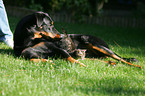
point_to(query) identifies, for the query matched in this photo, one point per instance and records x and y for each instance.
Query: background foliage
(73, 7)
(80, 8)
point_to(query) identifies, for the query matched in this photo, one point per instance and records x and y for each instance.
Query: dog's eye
(51, 23)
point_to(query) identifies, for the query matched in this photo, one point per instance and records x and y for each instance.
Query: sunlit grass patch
(62, 78)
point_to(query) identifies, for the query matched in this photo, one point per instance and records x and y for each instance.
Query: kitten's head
(80, 53)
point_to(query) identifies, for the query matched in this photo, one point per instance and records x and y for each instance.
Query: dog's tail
(109, 53)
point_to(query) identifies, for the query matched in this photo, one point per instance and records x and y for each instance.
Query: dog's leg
(38, 60)
(33, 54)
(42, 60)
(63, 53)
(109, 53)
(75, 61)
(66, 55)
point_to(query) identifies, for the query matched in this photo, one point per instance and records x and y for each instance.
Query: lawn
(22, 77)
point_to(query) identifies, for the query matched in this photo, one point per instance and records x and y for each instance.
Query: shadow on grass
(7, 51)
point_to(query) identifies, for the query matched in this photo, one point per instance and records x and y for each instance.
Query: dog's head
(33, 26)
(44, 25)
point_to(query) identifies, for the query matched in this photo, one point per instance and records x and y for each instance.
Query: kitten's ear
(84, 50)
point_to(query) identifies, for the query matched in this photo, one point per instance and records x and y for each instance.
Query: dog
(36, 38)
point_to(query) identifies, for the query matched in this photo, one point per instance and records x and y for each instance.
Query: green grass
(22, 77)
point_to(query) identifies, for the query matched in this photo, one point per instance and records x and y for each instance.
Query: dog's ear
(48, 20)
(43, 17)
(39, 19)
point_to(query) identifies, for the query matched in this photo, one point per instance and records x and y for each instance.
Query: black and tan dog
(37, 39)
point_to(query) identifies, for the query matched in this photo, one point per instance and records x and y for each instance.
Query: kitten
(80, 53)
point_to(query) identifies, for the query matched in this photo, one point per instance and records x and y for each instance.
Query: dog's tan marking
(49, 34)
(57, 36)
(37, 35)
(39, 44)
(52, 23)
